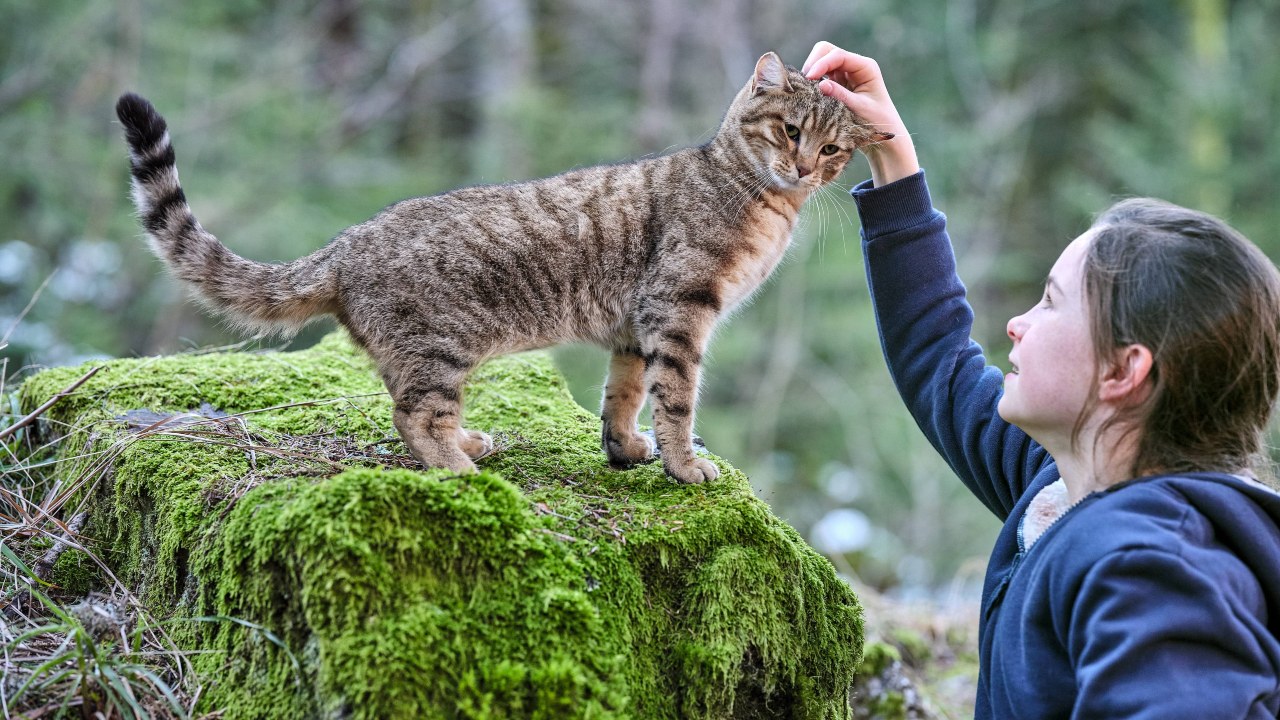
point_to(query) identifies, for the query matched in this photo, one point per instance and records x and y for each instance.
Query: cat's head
(797, 138)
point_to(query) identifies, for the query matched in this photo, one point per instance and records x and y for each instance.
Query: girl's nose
(1016, 327)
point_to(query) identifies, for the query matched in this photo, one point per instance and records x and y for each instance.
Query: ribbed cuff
(894, 207)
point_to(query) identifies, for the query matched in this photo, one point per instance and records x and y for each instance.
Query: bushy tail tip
(143, 126)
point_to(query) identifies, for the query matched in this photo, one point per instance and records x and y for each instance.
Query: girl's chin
(1004, 407)
(1009, 413)
(1000, 412)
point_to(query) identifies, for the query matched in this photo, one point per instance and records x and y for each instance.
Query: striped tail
(257, 296)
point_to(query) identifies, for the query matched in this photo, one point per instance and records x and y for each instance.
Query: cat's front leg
(673, 362)
(623, 398)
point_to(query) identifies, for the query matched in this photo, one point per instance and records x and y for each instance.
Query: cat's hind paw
(696, 471)
(474, 443)
(626, 449)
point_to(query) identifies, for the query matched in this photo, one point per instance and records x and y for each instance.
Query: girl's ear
(1125, 380)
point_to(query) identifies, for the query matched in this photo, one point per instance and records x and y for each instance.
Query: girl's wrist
(892, 160)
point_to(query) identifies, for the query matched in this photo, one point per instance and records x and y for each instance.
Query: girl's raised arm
(921, 311)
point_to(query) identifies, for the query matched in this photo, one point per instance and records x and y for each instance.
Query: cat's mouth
(781, 180)
(794, 181)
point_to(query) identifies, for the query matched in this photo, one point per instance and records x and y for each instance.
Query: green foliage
(547, 585)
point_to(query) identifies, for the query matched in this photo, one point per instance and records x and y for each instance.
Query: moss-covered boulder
(332, 577)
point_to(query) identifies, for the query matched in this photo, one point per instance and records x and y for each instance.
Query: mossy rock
(332, 578)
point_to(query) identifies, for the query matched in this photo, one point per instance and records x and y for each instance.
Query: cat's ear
(771, 74)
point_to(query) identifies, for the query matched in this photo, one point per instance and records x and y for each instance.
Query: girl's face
(1052, 357)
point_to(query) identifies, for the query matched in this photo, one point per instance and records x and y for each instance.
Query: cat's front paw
(695, 471)
(625, 449)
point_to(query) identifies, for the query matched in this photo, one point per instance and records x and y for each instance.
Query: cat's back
(564, 253)
(608, 213)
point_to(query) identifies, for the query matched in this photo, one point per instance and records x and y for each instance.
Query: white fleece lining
(1044, 510)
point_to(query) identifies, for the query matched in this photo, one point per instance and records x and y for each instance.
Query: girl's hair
(1206, 302)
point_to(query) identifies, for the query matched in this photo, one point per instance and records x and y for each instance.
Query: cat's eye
(793, 132)
(830, 149)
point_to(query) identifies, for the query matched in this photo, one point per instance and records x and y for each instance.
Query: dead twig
(44, 566)
(558, 535)
(47, 404)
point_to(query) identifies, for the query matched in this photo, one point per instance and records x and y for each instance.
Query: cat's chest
(757, 252)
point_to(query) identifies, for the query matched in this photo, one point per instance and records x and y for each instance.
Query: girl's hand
(855, 80)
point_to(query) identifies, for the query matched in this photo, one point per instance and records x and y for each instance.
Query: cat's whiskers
(744, 194)
(828, 214)
(807, 218)
(841, 204)
(831, 201)
(755, 183)
(751, 175)
(821, 203)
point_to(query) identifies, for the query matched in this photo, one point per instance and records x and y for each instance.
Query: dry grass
(104, 655)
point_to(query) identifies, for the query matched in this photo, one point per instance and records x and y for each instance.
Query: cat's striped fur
(642, 258)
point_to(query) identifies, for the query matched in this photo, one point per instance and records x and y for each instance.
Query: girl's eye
(793, 132)
(830, 149)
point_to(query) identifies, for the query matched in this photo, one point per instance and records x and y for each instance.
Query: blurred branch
(501, 78)
(964, 59)
(340, 51)
(736, 53)
(407, 62)
(1003, 107)
(656, 66)
(1210, 151)
(30, 304)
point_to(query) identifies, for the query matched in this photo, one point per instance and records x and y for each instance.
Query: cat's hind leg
(623, 397)
(428, 412)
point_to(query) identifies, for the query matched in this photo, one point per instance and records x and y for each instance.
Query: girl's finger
(820, 48)
(858, 69)
(832, 59)
(841, 93)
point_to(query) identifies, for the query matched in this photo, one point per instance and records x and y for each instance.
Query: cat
(641, 258)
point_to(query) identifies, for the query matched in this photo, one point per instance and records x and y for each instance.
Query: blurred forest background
(293, 120)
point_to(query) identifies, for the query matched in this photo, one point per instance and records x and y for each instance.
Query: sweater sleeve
(1153, 635)
(925, 323)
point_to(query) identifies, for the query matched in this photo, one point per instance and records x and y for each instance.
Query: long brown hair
(1206, 302)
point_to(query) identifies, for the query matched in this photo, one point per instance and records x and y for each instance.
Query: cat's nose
(801, 170)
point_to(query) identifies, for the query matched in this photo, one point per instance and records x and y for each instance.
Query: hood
(1245, 515)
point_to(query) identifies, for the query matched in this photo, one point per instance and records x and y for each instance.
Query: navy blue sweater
(1156, 598)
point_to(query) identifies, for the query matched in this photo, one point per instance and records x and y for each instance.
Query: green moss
(75, 573)
(877, 657)
(547, 585)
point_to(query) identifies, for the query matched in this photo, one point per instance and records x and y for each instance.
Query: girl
(1138, 571)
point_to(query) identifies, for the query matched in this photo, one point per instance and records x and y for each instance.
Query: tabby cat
(642, 258)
